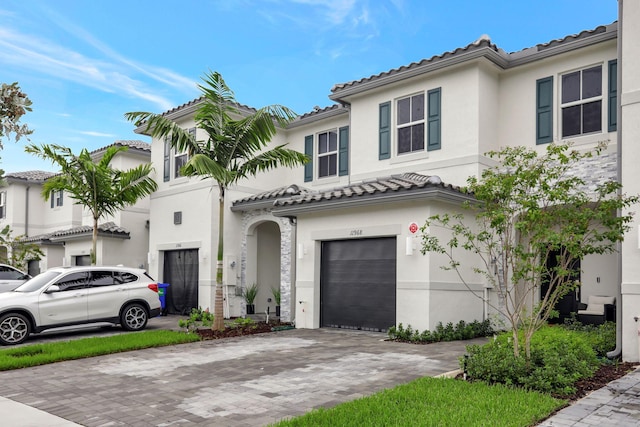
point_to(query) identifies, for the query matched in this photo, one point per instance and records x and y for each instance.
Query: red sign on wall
(413, 228)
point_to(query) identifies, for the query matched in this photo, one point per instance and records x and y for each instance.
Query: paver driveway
(248, 381)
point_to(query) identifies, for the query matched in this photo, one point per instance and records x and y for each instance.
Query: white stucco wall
(630, 105)
(425, 294)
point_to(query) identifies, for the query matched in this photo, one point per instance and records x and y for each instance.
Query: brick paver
(248, 381)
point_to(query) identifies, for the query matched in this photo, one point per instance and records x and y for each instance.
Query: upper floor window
(417, 126)
(410, 123)
(56, 198)
(3, 204)
(581, 102)
(174, 160)
(328, 153)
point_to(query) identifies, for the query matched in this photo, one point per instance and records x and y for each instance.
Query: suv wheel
(14, 329)
(134, 317)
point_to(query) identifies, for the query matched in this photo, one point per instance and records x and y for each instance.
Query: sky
(85, 63)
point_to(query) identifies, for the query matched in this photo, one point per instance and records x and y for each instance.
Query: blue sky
(84, 63)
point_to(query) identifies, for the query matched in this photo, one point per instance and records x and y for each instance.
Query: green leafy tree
(95, 185)
(235, 148)
(13, 105)
(19, 251)
(527, 209)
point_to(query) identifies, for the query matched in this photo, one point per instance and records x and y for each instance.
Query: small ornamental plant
(197, 318)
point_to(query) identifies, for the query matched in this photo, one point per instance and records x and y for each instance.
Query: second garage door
(358, 284)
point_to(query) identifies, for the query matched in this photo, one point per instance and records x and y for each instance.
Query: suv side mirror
(51, 289)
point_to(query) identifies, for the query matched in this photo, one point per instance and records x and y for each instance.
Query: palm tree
(235, 148)
(95, 185)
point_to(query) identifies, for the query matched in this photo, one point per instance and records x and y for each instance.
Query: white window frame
(583, 101)
(328, 153)
(57, 198)
(3, 204)
(410, 123)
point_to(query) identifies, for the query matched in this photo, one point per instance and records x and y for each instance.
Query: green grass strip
(437, 402)
(41, 354)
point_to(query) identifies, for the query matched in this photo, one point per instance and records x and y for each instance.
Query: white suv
(67, 296)
(11, 278)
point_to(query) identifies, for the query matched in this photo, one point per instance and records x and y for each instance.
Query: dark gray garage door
(358, 284)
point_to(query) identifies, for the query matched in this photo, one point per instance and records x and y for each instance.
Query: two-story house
(340, 235)
(63, 229)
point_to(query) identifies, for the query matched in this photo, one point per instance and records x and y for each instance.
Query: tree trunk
(218, 320)
(94, 242)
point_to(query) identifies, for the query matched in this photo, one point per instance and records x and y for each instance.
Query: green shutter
(308, 151)
(343, 151)
(544, 110)
(434, 117)
(385, 131)
(613, 95)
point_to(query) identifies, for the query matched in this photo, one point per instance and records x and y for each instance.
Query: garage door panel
(358, 284)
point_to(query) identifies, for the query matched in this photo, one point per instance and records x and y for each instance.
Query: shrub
(197, 317)
(559, 358)
(602, 338)
(448, 332)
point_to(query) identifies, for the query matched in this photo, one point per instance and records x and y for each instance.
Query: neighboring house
(63, 229)
(392, 151)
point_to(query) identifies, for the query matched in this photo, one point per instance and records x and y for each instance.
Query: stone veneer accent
(252, 218)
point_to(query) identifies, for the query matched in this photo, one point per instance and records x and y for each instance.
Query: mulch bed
(601, 378)
(256, 328)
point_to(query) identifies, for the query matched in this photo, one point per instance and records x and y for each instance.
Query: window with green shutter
(544, 110)
(384, 151)
(434, 119)
(613, 96)
(343, 151)
(308, 151)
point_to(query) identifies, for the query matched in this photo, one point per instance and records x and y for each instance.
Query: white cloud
(99, 134)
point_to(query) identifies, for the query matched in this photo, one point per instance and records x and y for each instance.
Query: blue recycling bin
(162, 294)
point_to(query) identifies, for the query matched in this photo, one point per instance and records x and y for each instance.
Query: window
(182, 158)
(56, 198)
(327, 153)
(410, 123)
(101, 278)
(581, 102)
(3, 204)
(167, 159)
(330, 157)
(73, 281)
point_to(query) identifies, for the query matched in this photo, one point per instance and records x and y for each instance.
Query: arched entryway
(263, 264)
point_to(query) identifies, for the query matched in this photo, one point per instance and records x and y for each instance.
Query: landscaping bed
(240, 330)
(603, 376)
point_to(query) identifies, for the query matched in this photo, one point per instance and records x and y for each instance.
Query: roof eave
(459, 58)
(253, 205)
(433, 193)
(317, 117)
(85, 234)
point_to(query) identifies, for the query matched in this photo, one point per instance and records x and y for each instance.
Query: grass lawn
(437, 402)
(41, 354)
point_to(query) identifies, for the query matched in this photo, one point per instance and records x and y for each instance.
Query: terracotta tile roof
(483, 43)
(106, 229)
(131, 143)
(396, 184)
(266, 198)
(31, 176)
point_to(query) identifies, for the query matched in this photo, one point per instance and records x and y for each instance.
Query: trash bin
(162, 294)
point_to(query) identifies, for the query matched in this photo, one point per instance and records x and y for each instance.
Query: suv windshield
(37, 282)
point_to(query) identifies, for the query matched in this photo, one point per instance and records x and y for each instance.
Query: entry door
(569, 303)
(181, 273)
(358, 284)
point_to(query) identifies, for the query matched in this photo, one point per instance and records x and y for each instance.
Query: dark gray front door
(358, 284)
(181, 273)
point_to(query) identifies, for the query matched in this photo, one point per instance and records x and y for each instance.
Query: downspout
(26, 212)
(615, 353)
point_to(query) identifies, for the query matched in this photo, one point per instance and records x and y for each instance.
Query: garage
(358, 284)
